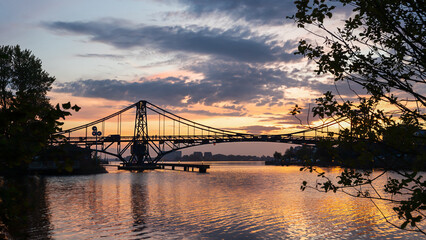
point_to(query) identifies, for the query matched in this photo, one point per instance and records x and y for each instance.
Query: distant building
(198, 155)
(208, 156)
(173, 156)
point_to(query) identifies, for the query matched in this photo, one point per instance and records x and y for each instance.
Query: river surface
(244, 200)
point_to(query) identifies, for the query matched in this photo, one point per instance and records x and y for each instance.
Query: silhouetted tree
(324, 152)
(277, 156)
(289, 154)
(381, 46)
(27, 119)
(27, 122)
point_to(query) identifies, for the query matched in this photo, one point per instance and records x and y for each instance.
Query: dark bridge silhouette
(181, 133)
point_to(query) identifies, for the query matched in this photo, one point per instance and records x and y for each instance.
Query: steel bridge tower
(140, 147)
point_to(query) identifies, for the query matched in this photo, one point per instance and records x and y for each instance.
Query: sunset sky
(229, 64)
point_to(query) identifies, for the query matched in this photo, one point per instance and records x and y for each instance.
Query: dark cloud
(223, 82)
(272, 12)
(238, 44)
(234, 107)
(164, 92)
(233, 83)
(242, 83)
(236, 71)
(261, 12)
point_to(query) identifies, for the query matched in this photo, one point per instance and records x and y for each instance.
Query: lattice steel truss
(140, 148)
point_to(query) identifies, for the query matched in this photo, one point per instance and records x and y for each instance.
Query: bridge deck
(203, 139)
(201, 167)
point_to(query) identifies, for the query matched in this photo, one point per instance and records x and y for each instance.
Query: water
(231, 201)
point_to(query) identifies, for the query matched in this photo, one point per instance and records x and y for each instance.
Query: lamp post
(96, 133)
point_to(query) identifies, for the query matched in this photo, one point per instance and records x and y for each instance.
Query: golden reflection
(138, 203)
(232, 201)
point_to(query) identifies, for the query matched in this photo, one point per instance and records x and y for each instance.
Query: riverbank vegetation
(379, 47)
(329, 153)
(65, 159)
(27, 119)
(27, 125)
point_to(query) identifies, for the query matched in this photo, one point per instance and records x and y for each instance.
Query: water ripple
(230, 202)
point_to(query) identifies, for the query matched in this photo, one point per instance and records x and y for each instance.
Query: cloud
(234, 107)
(242, 66)
(286, 119)
(239, 43)
(94, 55)
(229, 85)
(210, 113)
(242, 83)
(259, 12)
(255, 129)
(170, 90)
(341, 89)
(271, 12)
(222, 82)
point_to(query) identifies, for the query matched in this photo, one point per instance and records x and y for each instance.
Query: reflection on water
(138, 204)
(27, 207)
(231, 201)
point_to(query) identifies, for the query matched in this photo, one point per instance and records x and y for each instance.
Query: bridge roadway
(202, 168)
(196, 139)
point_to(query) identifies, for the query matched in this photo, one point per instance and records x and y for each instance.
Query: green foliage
(380, 47)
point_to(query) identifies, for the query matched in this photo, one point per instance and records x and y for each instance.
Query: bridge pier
(140, 168)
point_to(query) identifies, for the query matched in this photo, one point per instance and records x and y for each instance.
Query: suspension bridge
(172, 133)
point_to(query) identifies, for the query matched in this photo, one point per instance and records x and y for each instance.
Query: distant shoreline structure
(207, 156)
